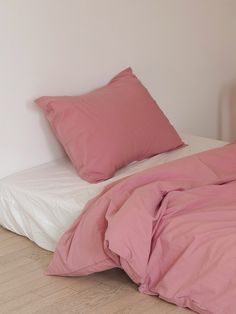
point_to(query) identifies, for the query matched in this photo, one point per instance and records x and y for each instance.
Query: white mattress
(42, 202)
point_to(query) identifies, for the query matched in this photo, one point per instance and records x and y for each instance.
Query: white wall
(227, 100)
(58, 47)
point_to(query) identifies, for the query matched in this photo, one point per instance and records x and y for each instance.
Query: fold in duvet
(172, 229)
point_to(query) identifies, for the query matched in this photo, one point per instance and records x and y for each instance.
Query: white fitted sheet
(42, 202)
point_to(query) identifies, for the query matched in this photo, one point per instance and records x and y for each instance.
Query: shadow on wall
(227, 113)
(55, 148)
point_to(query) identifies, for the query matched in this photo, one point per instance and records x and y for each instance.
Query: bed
(139, 196)
(42, 202)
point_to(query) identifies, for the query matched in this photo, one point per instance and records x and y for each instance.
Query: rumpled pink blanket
(172, 228)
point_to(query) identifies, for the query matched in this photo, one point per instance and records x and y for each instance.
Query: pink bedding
(172, 228)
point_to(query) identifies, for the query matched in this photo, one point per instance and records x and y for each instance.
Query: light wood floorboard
(25, 289)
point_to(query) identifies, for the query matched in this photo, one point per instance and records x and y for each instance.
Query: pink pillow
(109, 127)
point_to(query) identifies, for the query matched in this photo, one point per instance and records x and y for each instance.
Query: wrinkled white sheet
(42, 202)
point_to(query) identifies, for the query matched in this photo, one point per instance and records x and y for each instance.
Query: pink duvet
(172, 228)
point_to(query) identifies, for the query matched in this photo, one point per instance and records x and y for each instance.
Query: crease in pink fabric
(172, 228)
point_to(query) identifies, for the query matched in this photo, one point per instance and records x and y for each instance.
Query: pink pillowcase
(109, 127)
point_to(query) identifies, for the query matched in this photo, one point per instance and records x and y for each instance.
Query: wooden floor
(24, 288)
